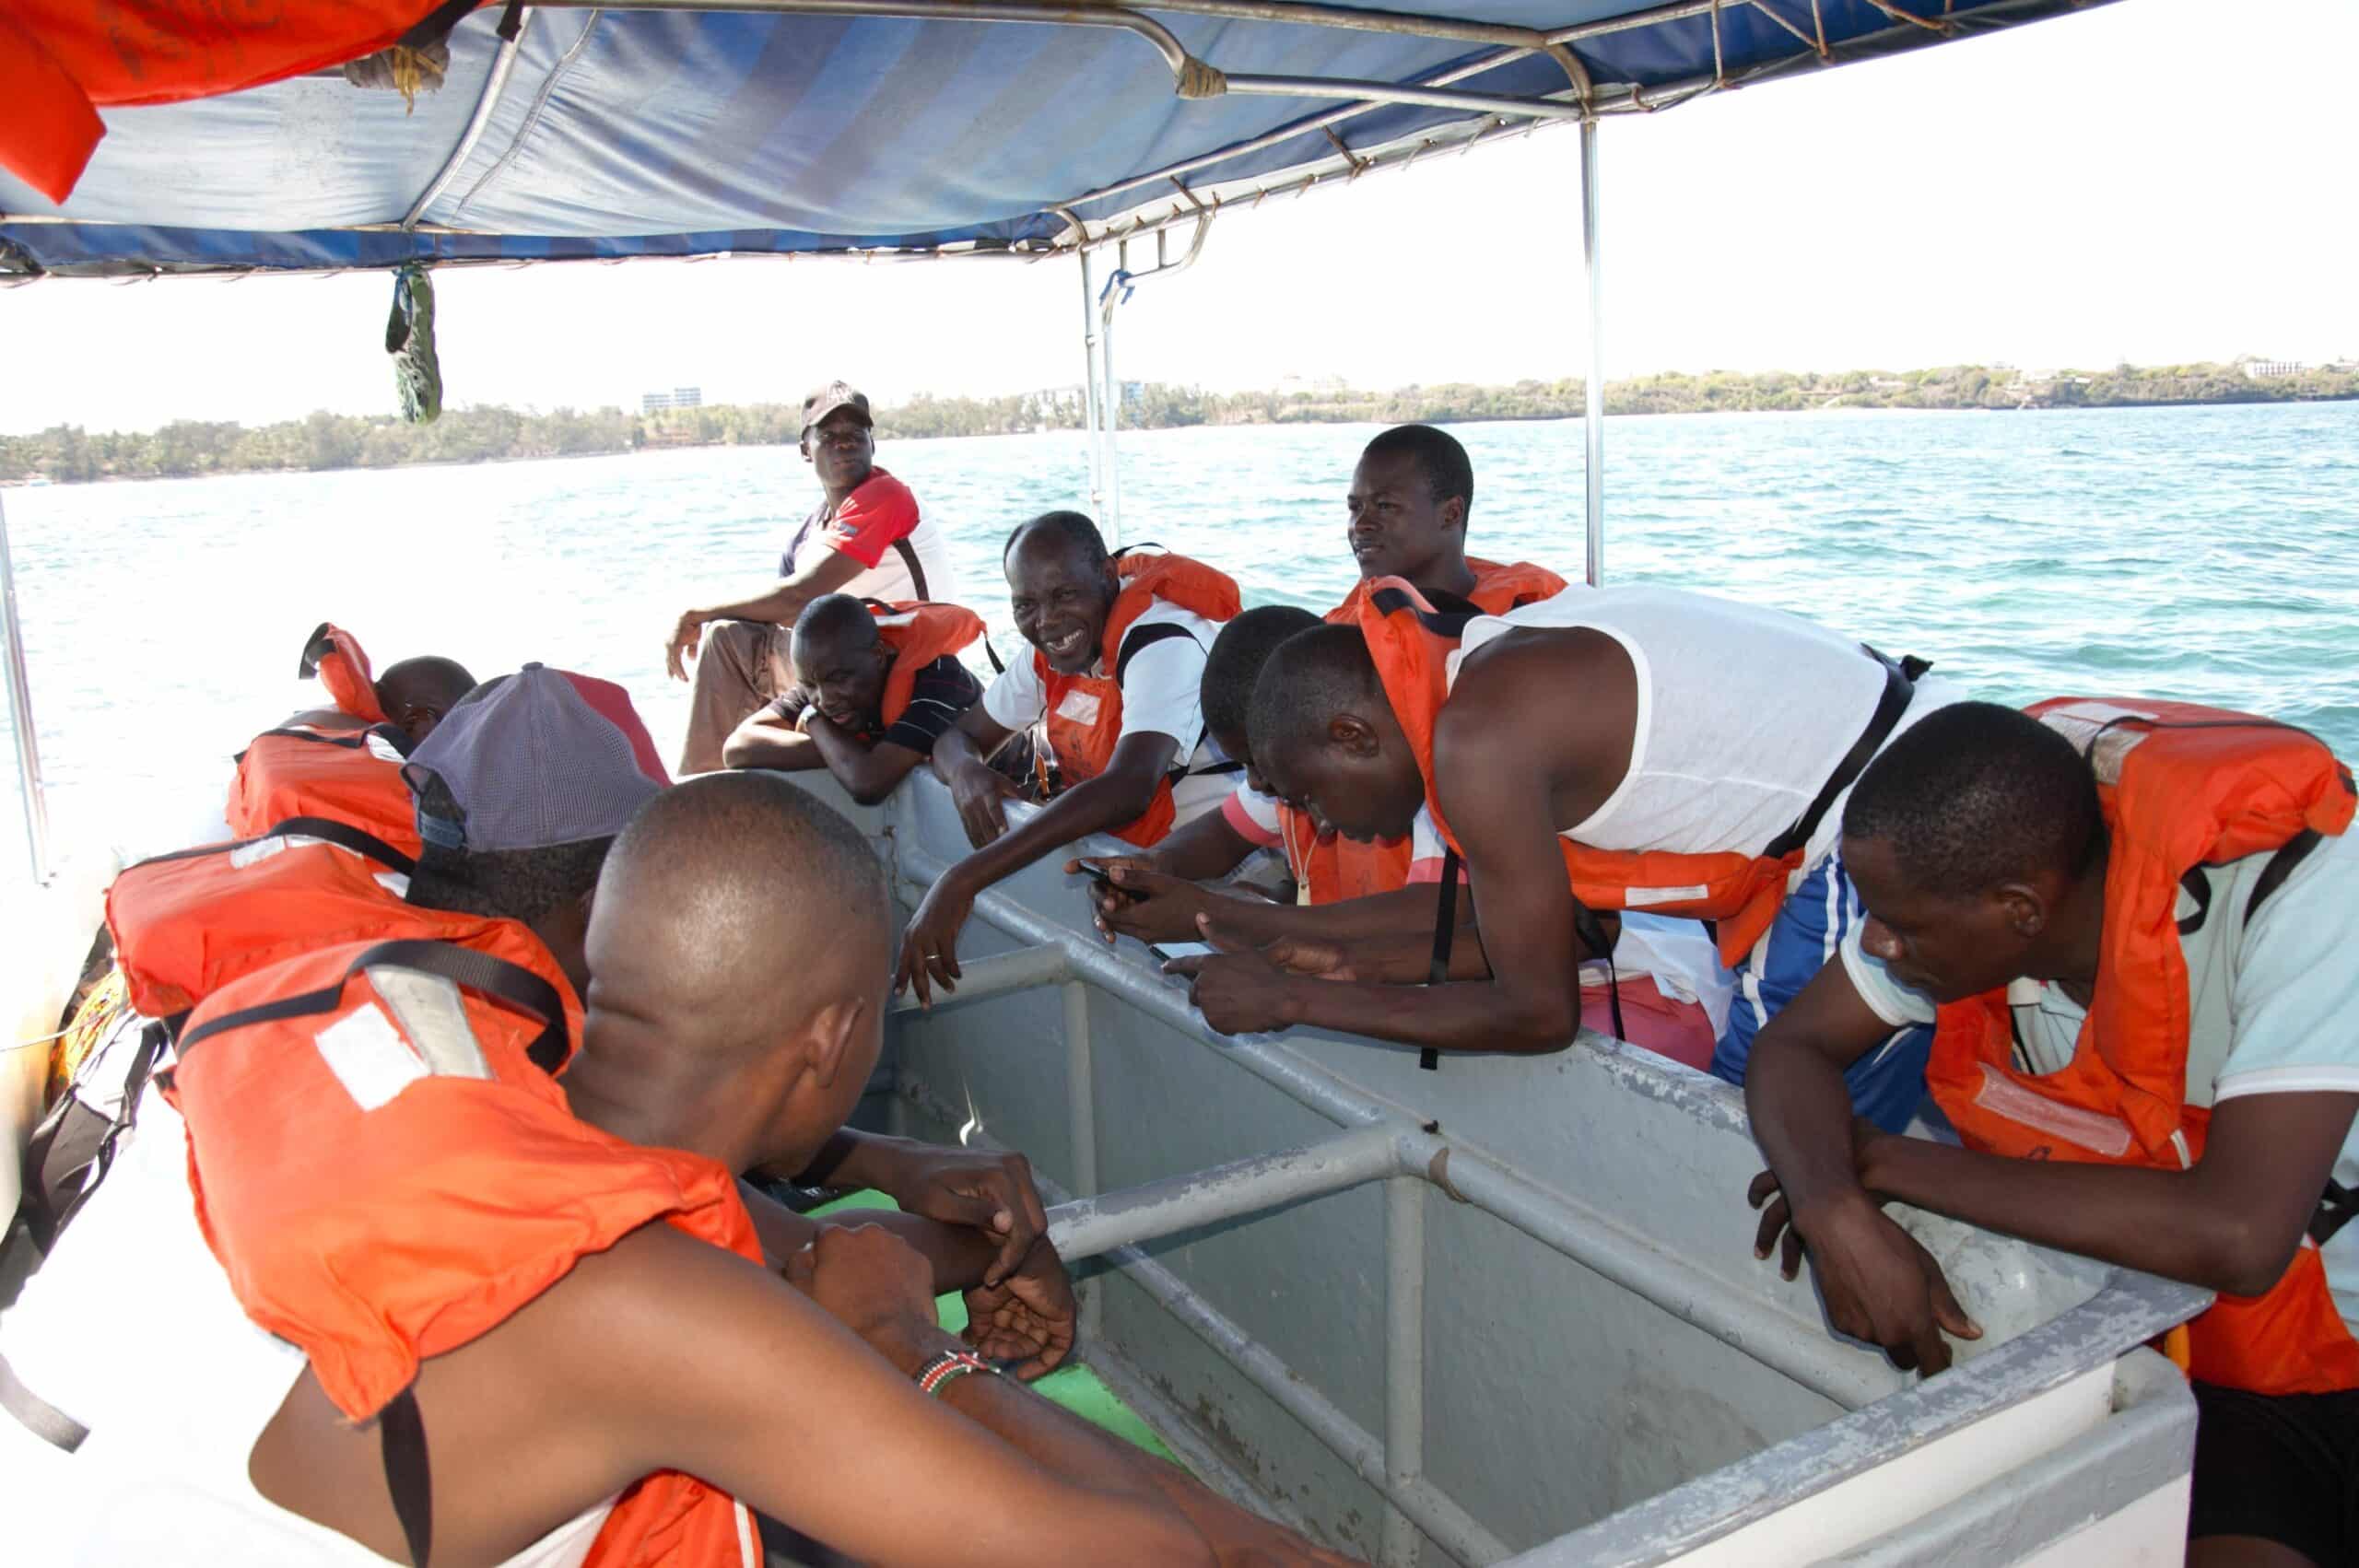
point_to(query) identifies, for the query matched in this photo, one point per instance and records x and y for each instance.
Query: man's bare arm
(779, 605)
(868, 773)
(766, 739)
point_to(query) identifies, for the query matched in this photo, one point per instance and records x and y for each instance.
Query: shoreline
(725, 425)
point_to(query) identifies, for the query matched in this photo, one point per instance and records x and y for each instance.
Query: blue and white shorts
(1888, 1083)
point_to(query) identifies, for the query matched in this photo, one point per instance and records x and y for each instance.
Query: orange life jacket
(2181, 786)
(381, 1187)
(1340, 869)
(918, 633)
(62, 59)
(308, 770)
(1085, 712)
(187, 923)
(337, 656)
(1411, 643)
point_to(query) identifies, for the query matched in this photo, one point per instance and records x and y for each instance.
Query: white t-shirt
(1161, 689)
(2272, 1003)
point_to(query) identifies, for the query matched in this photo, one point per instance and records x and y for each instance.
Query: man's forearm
(869, 773)
(1802, 1118)
(1479, 1015)
(779, 605)
(1405, 914)
(2150, 1220)
(959, 1254)
(954, 749)
(773, 746)
(1091, 806)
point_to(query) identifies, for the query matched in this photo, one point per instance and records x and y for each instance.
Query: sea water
(2209, 554)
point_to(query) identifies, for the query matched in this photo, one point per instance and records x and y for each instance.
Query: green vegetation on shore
(67, 454)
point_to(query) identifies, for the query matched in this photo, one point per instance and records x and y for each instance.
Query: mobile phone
(1100, 875)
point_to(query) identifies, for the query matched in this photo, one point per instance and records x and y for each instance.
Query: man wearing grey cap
(867, 538)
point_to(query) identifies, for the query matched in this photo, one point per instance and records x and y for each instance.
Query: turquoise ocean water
(2205, 553)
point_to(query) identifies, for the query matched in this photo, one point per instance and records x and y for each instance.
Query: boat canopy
(889, 128)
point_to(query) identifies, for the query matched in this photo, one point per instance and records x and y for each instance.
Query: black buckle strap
(38, 1417)
(1899, 688)
(343, 739)
(401, 1432)
(343, 835)
(1443, 615)
(496, 978)
(1587, 926)
(908, 553)
(2336, 1208)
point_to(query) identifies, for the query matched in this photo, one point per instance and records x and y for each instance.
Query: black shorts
(2283, 1466)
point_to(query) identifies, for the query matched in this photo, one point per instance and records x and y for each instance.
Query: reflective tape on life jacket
(348, 776)
(1410, 642)
(335, 657)
(918, 634)
(1085, 712)
(386, 1171)
(2181, 787)
(1338, 869)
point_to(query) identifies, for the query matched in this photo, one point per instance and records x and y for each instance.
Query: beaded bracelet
(945, 1367)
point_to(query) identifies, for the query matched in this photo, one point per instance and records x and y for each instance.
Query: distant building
(1060, 400)
(678, 397)
(2270, 369)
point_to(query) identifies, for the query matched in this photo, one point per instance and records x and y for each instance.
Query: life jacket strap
(908, 553)
(402, 1443)
(1587, 926)
(1899, 688)
(343, 739)
(495, 978)
(342, 834)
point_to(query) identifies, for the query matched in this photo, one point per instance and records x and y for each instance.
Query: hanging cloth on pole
(409, 338)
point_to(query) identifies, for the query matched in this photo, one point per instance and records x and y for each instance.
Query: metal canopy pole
(1089, 385)
(20, 716)
(1594, 416)
(1112, 520)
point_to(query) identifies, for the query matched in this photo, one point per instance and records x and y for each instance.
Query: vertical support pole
(1112, 520)
(20, 716)
(1089, 385)
(1405, 1359)
(1594, 418)
(1081, 1119)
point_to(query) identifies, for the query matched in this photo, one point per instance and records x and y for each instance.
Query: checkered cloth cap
(533, 760)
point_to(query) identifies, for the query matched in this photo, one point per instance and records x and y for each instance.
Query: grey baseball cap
(831, 397)
(531, 760)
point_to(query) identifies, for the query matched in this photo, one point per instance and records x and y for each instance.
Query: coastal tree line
(68, 454)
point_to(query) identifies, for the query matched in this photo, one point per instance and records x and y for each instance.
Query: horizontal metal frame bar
(1089, 1226)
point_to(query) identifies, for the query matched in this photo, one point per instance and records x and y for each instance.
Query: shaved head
(834, 616)
(429, 681)
(1325, 741)
(740, 950)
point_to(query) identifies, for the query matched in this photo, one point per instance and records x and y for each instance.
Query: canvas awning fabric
(619, 133)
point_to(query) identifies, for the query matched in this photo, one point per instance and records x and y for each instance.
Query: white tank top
(131, 1329)
(1743, 714)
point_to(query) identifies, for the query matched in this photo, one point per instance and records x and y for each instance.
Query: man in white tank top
(1626, 719)
(818, 1398)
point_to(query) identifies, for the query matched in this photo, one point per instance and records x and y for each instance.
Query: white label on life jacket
(382, 749)
(1641, 897)
(2083, 724)
(368, 1057)
(1079, 706)
(2084, 1129)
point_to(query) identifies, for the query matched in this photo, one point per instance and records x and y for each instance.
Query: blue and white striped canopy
(620, 133)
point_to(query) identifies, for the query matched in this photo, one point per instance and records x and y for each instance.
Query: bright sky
(2141, 182)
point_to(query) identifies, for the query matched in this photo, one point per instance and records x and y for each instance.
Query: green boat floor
(1072, 1385)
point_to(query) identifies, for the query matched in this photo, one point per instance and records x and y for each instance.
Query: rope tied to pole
(1200, 79)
